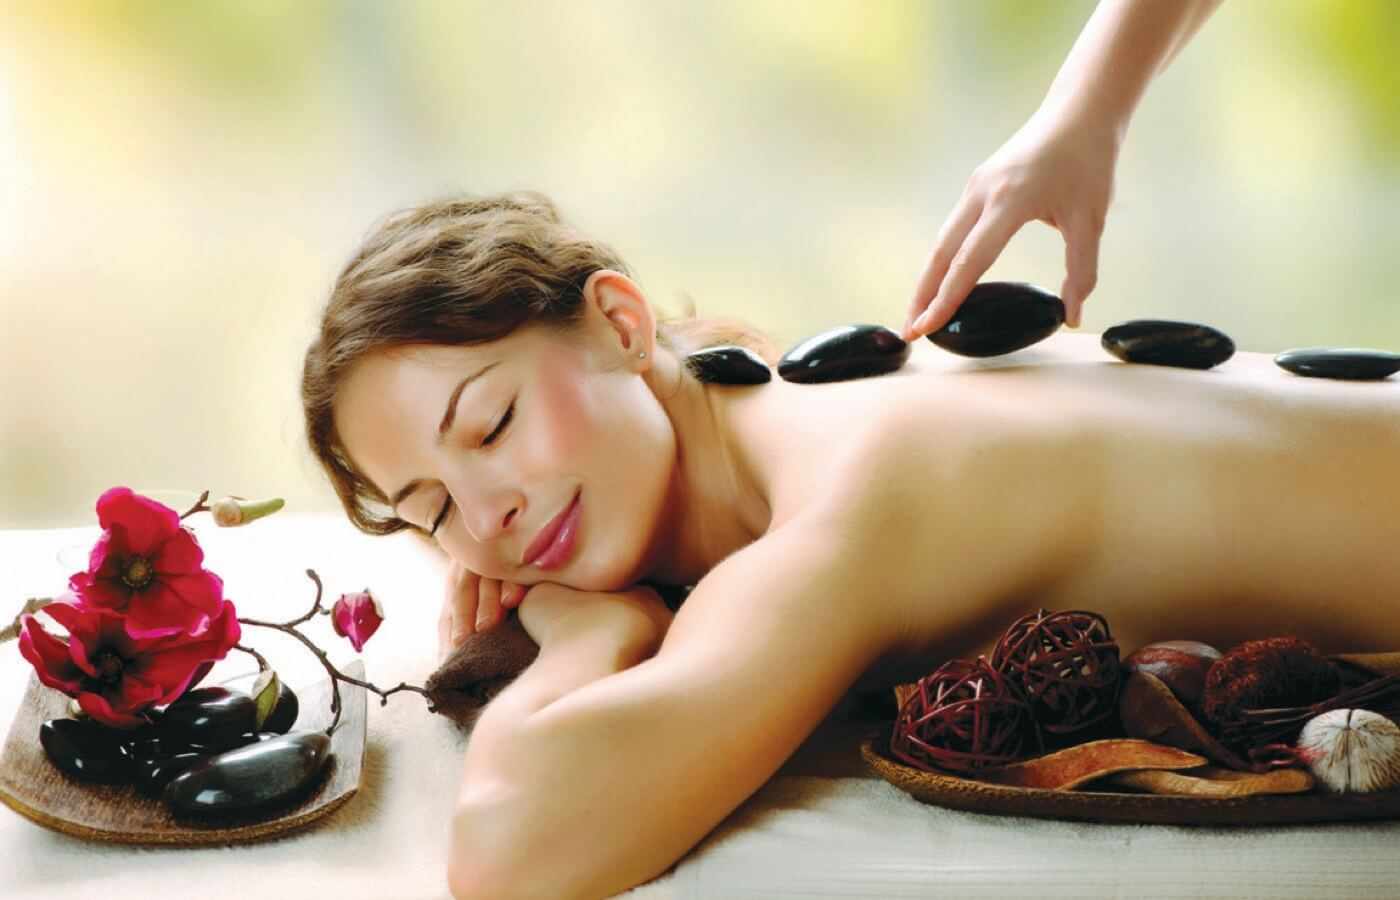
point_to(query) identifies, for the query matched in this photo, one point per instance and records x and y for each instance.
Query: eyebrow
(446, 423)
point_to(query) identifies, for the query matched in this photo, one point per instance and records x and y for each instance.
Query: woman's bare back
(1237, 502)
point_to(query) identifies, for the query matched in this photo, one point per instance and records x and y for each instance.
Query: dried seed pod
(1352, 750)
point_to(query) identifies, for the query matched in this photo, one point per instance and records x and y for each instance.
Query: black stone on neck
(728, 364)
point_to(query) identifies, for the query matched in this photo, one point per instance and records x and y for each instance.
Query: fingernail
(458, 637)
(482, 621)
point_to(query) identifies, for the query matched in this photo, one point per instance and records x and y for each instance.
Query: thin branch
(198, 507)
(33, 604)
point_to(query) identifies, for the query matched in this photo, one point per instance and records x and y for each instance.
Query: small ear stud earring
(642, 355)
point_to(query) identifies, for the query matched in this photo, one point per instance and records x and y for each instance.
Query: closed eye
(487, 441)
(505, 420)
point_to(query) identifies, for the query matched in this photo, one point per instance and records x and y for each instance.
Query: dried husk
(1210, 781)
(1067, 769)
(1149, 710)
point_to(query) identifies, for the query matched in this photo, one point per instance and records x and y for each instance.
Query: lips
(547, 534)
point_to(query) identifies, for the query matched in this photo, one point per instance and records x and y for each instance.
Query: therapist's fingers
(1082, 236)
(950, 240)
(984, 244)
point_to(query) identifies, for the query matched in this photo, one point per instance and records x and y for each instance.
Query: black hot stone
(1349, 363)
(212, 717)
(1000, 317)
(87, 750)
(1161, 342)
(728, 364)
(152, 775)
(847, 352)
(284, 711)
(258, 775)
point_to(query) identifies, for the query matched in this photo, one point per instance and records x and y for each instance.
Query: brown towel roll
(490, 660)
(480, 669)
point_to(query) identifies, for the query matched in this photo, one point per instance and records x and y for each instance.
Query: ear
(622, 306)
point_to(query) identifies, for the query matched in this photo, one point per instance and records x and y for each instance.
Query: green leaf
(265, 691)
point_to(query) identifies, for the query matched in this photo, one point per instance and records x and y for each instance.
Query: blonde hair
(459, 271)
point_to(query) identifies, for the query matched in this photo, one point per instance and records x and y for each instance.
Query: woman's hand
(471, 604)
(552, 612)
(1058, 169)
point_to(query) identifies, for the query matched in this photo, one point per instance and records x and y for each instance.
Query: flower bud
(357, 617)
(231, 511)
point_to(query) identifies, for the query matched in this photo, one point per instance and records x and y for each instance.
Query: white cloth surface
(820, 828)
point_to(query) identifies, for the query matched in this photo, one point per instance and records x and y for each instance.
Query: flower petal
(84, 631)
(179, 554)
(147, 523)
(179, 603)
(49, 657)
(201, 590)
(100, 709)
(104, 550)
(174, 665)
(95, 590)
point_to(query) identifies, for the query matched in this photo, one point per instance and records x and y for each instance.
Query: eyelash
(487, 441)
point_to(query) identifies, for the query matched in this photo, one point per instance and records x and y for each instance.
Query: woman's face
(531, 421)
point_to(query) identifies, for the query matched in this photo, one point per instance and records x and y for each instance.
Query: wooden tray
(118, 813)
(1093, 805)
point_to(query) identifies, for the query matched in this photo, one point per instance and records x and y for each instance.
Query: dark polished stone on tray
(152, 775)
(1347, 363)
(257, 775)
(1162, 342)
(87, 749)
(728, 364)
(844, 353)
(1000, 317)
(215, 718)
(284, 712)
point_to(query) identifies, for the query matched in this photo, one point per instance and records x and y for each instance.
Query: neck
(720, 493)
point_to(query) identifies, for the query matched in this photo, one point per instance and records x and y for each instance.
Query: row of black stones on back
(1000, 317)
(201, 756)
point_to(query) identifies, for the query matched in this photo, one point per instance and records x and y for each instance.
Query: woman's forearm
(563, 665)
(1122, 47)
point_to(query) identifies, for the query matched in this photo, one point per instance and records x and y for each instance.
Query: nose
(488, 516)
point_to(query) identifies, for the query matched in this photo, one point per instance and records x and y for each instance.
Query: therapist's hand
(1057, 169)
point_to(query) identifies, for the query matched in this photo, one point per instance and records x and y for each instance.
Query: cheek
(566, 422)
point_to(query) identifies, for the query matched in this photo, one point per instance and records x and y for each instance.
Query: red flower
(115, 676)
(149, 568)
(357, 617)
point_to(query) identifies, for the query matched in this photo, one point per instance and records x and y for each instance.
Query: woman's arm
(608, 785)
(583, 636)
(1123, 46)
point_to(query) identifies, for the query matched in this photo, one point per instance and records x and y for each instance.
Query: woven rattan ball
(963, 716)
(1066, 665)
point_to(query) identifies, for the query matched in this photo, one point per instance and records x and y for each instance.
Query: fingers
(461, 603)
(488, 607)
(1082, 237)
(950, 238)
(984, 244)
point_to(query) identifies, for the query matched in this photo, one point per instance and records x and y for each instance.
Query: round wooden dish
(118, 813)
(1093, 805)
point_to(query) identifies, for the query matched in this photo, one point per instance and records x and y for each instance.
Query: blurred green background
(179, 183)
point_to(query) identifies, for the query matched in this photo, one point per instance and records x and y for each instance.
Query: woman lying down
(488, 376)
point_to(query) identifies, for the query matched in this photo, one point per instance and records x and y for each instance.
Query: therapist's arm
(1123, 46)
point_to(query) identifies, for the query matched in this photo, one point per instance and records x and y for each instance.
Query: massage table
(822, 827)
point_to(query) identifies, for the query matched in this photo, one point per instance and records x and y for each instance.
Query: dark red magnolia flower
(357, 617)
(115, 676)
(148, 568)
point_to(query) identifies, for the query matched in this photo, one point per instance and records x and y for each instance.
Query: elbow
(469, 877)
(479, 865)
